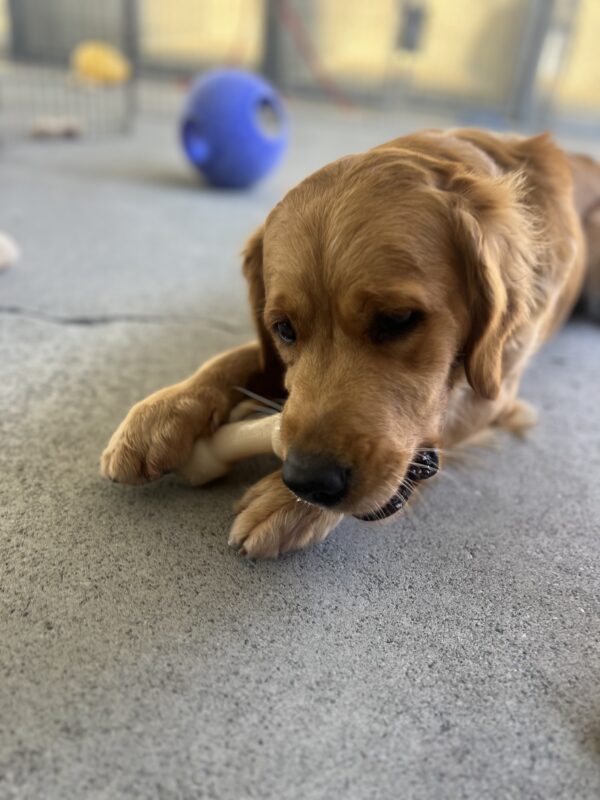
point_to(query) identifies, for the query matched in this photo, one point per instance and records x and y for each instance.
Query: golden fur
(484, 235)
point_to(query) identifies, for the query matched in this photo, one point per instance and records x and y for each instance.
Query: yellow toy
(98, 62)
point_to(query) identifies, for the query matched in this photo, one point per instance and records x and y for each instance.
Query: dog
(398, 296)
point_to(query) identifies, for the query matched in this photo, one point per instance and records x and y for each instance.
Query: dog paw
(517, 418)
(158, 433)
(271, 521)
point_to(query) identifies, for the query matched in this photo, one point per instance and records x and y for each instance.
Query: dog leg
(157, 434)
(516, 418)
(271, 521)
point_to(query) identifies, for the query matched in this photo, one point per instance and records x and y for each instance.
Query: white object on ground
(9, 251)
(213, 456)
(56, 128)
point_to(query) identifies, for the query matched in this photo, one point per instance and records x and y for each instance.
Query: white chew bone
(213, 456)
(9, 251)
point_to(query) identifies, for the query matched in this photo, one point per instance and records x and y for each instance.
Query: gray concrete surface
(453, 653)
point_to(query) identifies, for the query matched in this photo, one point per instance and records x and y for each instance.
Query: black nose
(315, 478)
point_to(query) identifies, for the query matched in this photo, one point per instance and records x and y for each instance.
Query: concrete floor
(454, 653)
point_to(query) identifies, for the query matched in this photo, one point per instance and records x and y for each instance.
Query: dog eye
(388, 326)
(285, 330)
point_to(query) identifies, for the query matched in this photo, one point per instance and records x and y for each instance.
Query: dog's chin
(425, 464)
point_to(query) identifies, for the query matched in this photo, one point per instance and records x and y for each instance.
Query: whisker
(266, 412)
(259, 398)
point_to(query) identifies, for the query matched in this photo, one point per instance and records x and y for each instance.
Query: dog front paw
(271, 521)
(158, 433)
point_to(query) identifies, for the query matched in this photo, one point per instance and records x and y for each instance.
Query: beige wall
(3, 25)
(202, 30)
(467, 51)
(467, 48)
(579, 83)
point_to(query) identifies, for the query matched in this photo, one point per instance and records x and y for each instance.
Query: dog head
(379, 282)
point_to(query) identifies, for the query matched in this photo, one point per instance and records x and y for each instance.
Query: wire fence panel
(40, 92)
(525, 60)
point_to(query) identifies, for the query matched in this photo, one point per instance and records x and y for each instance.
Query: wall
(188, 31)
(579, 85)
(467, 47)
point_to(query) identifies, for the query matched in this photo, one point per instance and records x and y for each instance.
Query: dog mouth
(424, 465)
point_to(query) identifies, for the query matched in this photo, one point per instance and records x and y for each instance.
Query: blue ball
(234, 127)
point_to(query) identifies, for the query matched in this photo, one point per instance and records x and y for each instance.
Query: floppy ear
(495, 238)
(271, 364)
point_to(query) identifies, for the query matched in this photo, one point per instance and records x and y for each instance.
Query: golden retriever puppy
(398, 295)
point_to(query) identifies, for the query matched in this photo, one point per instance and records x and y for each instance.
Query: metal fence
(388, 53)
(39, 92)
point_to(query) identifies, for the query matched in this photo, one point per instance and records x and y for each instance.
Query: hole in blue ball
(268, 118)
(195, 144)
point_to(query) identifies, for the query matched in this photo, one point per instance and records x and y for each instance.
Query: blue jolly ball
(234, 127)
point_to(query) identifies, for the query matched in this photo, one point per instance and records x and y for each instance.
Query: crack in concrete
(111, 319)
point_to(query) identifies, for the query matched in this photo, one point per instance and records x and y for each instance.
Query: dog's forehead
(343, 239)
